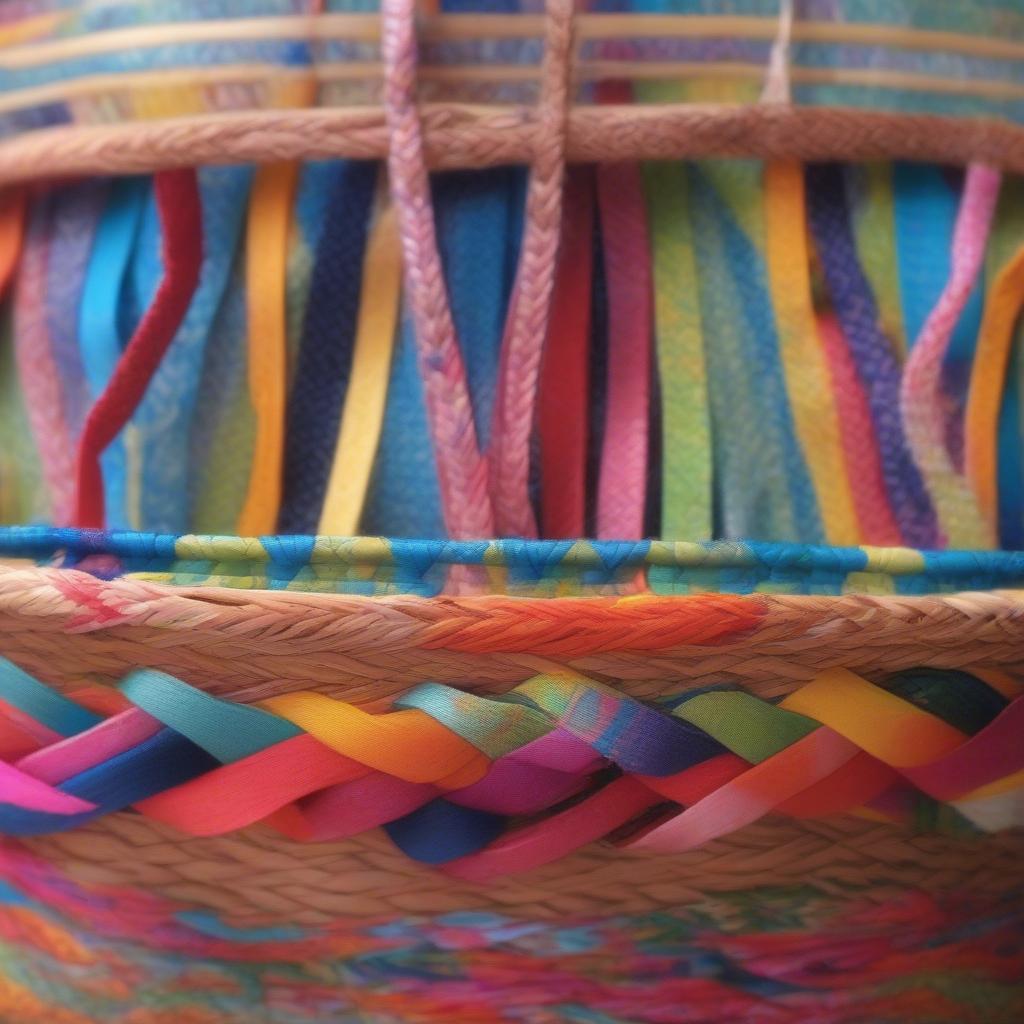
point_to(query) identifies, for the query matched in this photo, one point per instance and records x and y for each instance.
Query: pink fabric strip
(753, 794)
(995, 752)
(622, 484)
(535, 777)
(350, 808)
(524, 849)
(238, 794)
(37, 371)
(920, 394)
(92, 747)
(860, 447)
(21, 790)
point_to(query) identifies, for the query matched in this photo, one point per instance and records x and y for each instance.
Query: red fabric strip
(177, 197)
(565, 379)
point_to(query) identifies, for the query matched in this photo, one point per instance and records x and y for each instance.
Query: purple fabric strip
(75, 214)
(877, 367)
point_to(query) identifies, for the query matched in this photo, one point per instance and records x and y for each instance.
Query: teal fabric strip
(495, 726)
(1010, 471)
(38, 701)
(225, 730)
(926, 208)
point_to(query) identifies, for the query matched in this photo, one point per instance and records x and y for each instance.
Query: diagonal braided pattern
(447, 771)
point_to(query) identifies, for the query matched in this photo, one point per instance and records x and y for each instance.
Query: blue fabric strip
(161, 762)
(925, 209)
(164, 416)
(325, 356)
(1010, 472)
(479, 222)
(100, 327)
(441, 831)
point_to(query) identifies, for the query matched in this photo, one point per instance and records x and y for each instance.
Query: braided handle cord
(467, 488)
(444, 770)
(461, 469)
(920, 392)
(530, 308)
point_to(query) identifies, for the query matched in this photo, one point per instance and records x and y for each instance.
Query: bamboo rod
(459, 135)
(259, 74)
(455, 27)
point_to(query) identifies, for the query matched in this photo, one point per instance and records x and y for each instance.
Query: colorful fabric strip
(270, 211)
(163, 420)
(923, 419)
(181, 219)
(324, 362)
(99, 322)
(445, 769)
(622, 483)
(807, 381)
(876, 364)
(564, 383)
(1003, 305)
(686, 469)
(363, 414)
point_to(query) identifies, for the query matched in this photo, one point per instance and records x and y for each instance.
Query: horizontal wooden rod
(455, 27)
(371, 72)
(459, 135)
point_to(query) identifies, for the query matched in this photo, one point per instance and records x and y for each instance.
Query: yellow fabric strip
(997, 788)
(408, 744)
(896, 732)
(1003, 306)
(270, 211)
(807, 377)
(1001, 682)
(363, 415)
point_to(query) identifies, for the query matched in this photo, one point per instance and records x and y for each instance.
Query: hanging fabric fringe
(767, 320)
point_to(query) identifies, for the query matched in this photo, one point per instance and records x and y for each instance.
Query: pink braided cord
(530, 307)
(461, 469)
(467, 489)
(920, 394)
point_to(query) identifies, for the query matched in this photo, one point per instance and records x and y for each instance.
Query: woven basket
(287, 779)
(841, 917)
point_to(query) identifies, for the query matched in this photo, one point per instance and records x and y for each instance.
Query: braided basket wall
(285, 775)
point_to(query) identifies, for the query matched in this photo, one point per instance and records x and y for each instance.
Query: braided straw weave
(71, 629)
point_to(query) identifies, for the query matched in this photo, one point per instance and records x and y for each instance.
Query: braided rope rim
(466, 136)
